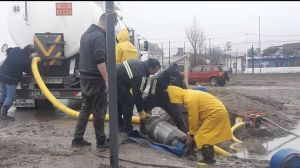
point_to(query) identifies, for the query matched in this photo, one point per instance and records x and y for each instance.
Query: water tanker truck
(55, 29)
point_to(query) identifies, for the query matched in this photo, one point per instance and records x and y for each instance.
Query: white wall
(274, 70)
(239, 65)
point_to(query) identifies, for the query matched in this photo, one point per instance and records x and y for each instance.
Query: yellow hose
(54, 101)
(221, 151)
(240, 124)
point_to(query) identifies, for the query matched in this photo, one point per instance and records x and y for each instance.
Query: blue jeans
(7, 94)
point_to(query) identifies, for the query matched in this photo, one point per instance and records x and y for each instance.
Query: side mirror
(146, 46)
(4, 48)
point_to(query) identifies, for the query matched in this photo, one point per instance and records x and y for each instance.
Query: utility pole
(230, 60)
(209, 48)
(112, 87)
(183, 47)
(247, 52)
(169, 53)
(236, 64)
(162, 54)
(252, 53)
(226, 64)
(259, 36)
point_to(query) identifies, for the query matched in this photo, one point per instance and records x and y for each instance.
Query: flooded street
(42, 138)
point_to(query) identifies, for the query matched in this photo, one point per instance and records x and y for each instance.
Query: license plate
(51, 80)
(24, 103)
(41, 94)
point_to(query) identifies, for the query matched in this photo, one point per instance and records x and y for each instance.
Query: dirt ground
(43, 138)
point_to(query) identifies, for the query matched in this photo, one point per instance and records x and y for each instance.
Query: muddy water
(265, 150)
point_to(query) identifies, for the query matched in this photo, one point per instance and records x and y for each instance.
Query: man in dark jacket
(93, 83)
(17, 61)
(158, 97)
(131, 82)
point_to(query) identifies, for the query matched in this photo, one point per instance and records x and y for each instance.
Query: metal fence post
(112, 87)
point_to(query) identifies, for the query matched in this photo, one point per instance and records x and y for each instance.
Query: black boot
(77, 142)
(102, 142)
(208, 154)
(4, 116)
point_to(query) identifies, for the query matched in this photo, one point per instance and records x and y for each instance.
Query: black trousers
(94, 101)
(125, 107)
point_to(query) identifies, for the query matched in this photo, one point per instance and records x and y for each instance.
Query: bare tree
(196, 37)
(201, 43)
(216, 55)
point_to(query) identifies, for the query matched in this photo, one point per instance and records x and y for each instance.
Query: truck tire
(213, 81)
(43, 104)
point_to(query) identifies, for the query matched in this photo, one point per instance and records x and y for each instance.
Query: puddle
(265, 150)
(43, 114)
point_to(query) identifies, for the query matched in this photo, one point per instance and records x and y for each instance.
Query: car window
(197, 69)
(206, 69)
(225, 68)
(217, 68)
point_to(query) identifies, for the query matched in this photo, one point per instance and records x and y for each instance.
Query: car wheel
(213, 81)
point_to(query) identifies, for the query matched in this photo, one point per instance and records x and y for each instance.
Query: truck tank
(55, 29)
(70, 18)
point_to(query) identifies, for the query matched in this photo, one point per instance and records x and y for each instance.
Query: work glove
(143, 116)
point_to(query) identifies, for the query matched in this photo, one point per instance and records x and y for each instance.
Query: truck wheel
(43, 104)
(213, 81)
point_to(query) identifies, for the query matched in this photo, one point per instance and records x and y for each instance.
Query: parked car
(214, 74)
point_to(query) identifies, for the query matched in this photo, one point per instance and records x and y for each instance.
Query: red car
(213, 74)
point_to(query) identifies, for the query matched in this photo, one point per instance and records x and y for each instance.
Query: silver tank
(162, 131)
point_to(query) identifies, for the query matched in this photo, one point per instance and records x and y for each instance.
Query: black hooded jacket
(17, 61)
(138, 82)
(159, 84)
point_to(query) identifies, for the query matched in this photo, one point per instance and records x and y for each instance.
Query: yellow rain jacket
(206, 109)
(125, 50)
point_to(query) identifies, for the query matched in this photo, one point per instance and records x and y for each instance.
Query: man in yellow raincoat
(208, 110)
(125, 50)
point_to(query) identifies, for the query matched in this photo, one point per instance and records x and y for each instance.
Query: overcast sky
(163, 21)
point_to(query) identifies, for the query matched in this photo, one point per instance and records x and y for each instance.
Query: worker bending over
(157, 97)
(132, 75)
(17, 61)
(210, 112)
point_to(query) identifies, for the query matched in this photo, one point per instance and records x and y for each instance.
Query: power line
(242, 42)
(228, 36)
(186, 37)
(242, 34)
(295, 35)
